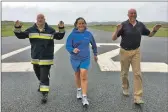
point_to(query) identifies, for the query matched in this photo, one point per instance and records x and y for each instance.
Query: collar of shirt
(135, 23)
(40, 28)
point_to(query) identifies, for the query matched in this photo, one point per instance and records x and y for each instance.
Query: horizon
(90, 22)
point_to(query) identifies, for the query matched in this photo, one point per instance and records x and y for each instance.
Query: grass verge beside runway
(163, 32)
(7, 28)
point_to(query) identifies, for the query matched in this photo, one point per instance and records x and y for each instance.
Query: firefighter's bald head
(132, 14)
(40, 19)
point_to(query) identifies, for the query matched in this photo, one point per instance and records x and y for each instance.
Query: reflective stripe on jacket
(42, 43)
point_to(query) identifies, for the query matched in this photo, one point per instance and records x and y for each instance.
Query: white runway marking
(107, 64)
(104, 61)
(116, 44)
(22, 66)
(17, 67)
(57, 47)
(14, 52)
(145, 66)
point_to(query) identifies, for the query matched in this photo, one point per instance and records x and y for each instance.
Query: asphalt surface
(19, 90)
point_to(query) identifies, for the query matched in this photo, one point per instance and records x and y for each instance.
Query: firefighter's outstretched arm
(18, 33)
(59, 35)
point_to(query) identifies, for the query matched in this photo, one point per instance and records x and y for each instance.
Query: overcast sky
(91, 11)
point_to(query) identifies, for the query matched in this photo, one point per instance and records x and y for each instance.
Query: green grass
(163, 31)
(7, 28)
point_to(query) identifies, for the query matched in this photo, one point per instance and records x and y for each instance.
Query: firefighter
(41, 37)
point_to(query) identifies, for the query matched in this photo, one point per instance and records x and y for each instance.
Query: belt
(128, 49)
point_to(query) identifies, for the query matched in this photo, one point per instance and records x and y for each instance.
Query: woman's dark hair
(61, 22)
(75, 24)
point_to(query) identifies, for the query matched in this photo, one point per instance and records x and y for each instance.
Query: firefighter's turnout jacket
(42, 42)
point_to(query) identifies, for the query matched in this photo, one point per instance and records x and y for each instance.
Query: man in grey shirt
(130, 32)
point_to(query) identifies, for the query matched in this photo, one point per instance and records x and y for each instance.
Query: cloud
(91, 11)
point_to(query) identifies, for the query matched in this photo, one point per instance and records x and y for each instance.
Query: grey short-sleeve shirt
(131, 35)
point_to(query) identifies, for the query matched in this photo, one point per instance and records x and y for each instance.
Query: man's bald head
(40, 15)
(131, 10)
(40, 19)
(132, 14)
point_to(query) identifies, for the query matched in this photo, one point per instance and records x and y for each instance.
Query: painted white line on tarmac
(107, 64)
(17, 67)
(14, 52)
(104, 61)
(115, 44)
(145, 66)
(56, 48)
(22, 66)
